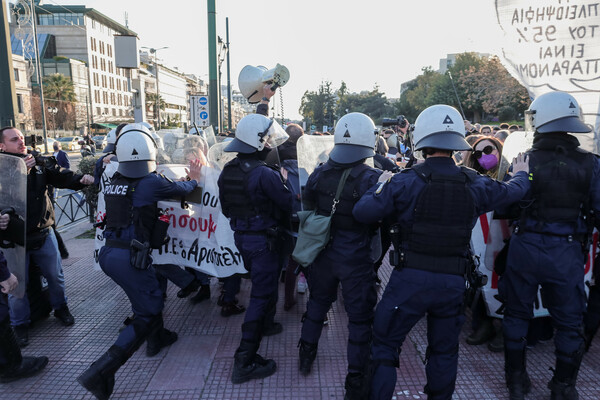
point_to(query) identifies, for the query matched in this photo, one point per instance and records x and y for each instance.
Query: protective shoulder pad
(470, 173)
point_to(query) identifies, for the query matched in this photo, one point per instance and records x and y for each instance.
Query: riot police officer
(347, 258)
(131, 216)
(433, 206)
(550, 244)
(256, 200)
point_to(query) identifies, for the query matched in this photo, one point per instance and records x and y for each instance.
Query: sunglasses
(486, 150)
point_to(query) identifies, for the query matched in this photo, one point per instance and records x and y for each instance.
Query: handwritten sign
(552, 45)
(200, 235)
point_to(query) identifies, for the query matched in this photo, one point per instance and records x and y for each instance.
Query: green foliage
(58, 87)
(506, 113)
(319, 106)
(86, 166)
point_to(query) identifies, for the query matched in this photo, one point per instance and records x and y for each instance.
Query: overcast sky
(364, 43)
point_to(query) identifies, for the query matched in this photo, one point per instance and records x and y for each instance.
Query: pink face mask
(488, 161)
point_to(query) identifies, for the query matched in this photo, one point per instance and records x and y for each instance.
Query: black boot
(158, 339)
(308, 353)
(99, 378)
(249, 365)
(189, 289)
(357, 386)
(517, 379)
(483, 334)
(562, 384)
(203, 294)
(17, 366)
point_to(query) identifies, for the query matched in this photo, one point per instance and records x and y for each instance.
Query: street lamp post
(53, 111)
(157, 103)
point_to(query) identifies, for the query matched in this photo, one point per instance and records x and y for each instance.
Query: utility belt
(274, 236)
(139, 253)
(453, 265)
(583, 238)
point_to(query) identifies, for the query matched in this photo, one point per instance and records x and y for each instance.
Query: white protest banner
(109, 170)
(200, 235)
(487, 240)
(554, 45)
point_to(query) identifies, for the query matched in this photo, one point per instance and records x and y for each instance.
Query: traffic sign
(199, 113)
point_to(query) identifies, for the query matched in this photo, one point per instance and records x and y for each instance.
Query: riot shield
(515, 143)
(209, 135)
(312, 151)
(218, 157)
(13, 201)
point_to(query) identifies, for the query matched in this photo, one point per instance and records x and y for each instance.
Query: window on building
(98, 111)
(109, 49)
(16, 72)
(114, 112)
(20, 103)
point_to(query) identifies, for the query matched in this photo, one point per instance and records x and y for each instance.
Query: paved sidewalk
(198, 365)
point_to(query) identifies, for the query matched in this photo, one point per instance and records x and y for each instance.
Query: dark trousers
(411, 294)
(558, 266)
(358, 288)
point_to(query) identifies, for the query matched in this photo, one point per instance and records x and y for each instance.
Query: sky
(363, 43)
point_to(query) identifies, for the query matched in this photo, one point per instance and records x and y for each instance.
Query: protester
(485, 158)
(42, 247)
(13, 365)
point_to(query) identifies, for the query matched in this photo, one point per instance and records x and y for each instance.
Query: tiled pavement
(198, 366)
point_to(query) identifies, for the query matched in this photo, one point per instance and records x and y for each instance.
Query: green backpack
(313, 231)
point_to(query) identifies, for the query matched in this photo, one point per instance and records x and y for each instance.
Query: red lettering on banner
(212, 227)
(485, 227)
(193, 224)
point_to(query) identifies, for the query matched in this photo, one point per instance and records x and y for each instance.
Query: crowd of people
(421, 198)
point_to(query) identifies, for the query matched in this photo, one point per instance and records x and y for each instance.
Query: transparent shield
(276, 135)
(218, 157)
(312, 152)
(13, 196)
(517, 142)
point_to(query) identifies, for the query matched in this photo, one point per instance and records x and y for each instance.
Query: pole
(213, 89)
(456, 94)
(87, 112)
(8, 95)
(157, 90)
(39, 75)
(229, 124)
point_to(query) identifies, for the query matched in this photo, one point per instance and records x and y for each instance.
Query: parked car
(70, 143)
(40, 145)
(100, 141)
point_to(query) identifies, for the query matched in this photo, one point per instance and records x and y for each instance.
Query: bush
(86, 166)
(507, 113)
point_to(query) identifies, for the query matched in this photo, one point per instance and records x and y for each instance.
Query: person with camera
(41, 241)
(432, 208)
(132, 230)
(13, 365)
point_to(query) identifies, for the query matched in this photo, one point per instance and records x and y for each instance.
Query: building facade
(24, 117)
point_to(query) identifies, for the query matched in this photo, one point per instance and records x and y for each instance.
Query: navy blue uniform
(546, 252)
(346, 260)
(140, 285)
(413, 292)
(266, 201)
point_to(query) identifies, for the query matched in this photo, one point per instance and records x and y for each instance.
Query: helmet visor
(275, 135)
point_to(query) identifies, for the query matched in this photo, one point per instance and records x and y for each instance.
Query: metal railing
(70, 207)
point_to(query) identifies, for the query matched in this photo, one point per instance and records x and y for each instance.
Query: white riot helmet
(440, 127)
(354, 138)
(136, 151)
(111, 138)
(555, 112)
(254, 132)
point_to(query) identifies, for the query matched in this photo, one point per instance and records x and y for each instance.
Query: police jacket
(350, 238)
(397, 199)
(143, 193)
(253, 195)
(565, 187)
(40, 212)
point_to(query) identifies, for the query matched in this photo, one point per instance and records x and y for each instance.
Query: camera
(400, 121)
(43, 161)
(33, 140)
